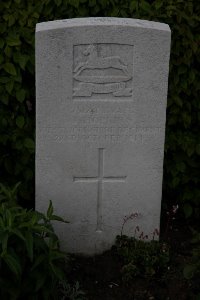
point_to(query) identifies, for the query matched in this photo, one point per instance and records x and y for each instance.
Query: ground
(101, 279)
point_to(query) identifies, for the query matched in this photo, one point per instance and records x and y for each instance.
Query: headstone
(101, 87)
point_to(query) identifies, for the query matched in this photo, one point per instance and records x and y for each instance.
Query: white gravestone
(101, 87)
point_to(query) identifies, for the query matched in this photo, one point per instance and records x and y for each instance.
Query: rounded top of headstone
(99, 21)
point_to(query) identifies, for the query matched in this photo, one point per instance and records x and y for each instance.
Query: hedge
(17, 88)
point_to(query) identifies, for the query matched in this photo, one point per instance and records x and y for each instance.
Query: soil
(101, 279)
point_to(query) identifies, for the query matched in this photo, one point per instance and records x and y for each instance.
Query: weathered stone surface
(101, 87)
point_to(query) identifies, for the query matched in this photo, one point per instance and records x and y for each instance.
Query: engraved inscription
(138, 135)
(100, 179)
(102, 69)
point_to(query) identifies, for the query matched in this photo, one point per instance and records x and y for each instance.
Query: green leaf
(11, 20)
(4, 241)
(41, 278)
(50, 210)
(4, 79)
(57, 218)
(16, 186)
(58, 2)
(133, 6)
(158, 4)
(1, 43)
(20, 121)
(37, 15)
(8, 51)
(24, 225)
(34, 219)
(9, 86)
(188, 210)
(42, 229)
(8, 213)
(53, 242)
(188, 271)
(18, 233)
(182, 69)
(190, 151)
(180, 166)
(186, 119)
(178, 101)
(1, 220)
(18, 78)
(13, 40)
(57, 271)
(21, 94)
(4, 122)
(8, 165)
(184, 84)
(175, 181)
(40, 216)
(191, 76)
(29, 143)
(1, 59)
(29, 174)
(145, 6)
(74, 3)
(198, 149)
(29, 244)
(10, 68)
(115, 12)
(57, 255)
(92, 3)
(39, 260)
(13, 263)
(21, 59)
(4, 99)
(3, 27)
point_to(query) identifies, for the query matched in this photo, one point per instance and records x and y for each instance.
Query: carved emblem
(101, 69)
(100, 179)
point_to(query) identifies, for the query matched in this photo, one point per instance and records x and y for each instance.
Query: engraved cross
(100, 179)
